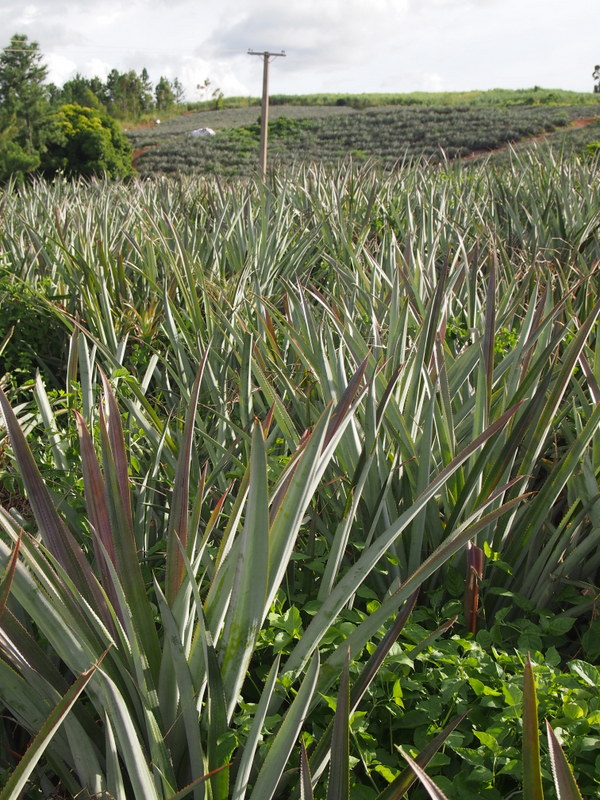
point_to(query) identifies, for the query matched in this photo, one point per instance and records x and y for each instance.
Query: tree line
(124, 95)
(70, 129)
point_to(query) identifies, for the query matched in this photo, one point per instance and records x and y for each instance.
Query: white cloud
(193, 72)
(331, 45)
(28, 15)
(334, 32)
(60, 68)
(96, 67)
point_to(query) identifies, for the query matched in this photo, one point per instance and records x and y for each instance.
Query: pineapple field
(300, 477)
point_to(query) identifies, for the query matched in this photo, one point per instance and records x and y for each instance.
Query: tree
(77, 91)
(84, 141)
(146, 91)
(128, 94)
(596, 77)
(216, 94)
(15, 161)
(164, 95)
(218, 98)
(23, 95)
(178, 90)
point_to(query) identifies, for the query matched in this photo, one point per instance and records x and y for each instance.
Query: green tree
(147, 97)
(77, 91)
(178, 90)
(15, 160)
(23, 95)
(165, 97)
(84, 141)
(127, 93)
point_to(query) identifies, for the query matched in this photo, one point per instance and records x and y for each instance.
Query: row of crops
(249, 423)
(388, 134)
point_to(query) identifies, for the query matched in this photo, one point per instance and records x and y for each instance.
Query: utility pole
(264, 116)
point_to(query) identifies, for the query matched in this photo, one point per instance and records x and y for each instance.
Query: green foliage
(77, 91)
(15, 160)
(165, 96)
(328, 134)
(321, 388)
(413, 696)
(23, 96)
(83, 141)
(23, 108)
(31, 336)
(124, 95)
(491, 97)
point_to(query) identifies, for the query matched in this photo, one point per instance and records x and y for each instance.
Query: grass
(537, 95)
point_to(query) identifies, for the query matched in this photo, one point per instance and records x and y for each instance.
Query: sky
(332, 46)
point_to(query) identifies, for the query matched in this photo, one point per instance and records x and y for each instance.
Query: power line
(264, 116)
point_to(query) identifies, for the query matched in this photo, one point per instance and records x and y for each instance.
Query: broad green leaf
(7, 578)
(187, 695)
(135, 760)
(221, 740)
(114, 778)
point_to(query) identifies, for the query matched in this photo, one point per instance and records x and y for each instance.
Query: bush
(84, 141)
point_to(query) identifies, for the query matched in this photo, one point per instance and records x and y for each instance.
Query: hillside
(448, 127)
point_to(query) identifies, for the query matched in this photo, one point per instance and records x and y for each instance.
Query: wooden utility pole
(264, 117)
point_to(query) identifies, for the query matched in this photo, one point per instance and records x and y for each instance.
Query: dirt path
(575, 123)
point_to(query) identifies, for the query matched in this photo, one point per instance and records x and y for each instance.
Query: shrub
(84, 141)
(592, 149)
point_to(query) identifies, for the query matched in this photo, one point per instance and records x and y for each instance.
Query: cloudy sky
(331, 45)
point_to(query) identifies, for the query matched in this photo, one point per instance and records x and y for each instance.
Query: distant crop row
(387, 135)
(534, 96)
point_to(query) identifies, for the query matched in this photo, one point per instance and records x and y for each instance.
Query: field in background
(490, 97)
(387, 129)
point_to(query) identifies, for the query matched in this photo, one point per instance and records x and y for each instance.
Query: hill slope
(388, 134)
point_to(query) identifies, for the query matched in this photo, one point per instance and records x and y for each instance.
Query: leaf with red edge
(55, 534)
